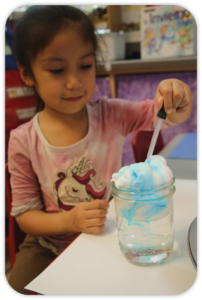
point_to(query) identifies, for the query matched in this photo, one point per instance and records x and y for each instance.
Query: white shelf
(174, 64)
(132, 36)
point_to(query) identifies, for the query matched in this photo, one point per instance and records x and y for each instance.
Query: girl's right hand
(89, 217)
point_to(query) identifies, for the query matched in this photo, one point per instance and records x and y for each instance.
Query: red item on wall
(20, 103)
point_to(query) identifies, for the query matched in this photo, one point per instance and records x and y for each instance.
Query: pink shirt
(44, 177)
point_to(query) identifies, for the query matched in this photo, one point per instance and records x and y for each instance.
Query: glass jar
(145, 223)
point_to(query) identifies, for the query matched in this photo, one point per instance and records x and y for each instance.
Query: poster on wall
(167, 31)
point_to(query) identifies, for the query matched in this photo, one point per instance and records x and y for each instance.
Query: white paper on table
(94, 264)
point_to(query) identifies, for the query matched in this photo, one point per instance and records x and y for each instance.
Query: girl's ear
(25, 75)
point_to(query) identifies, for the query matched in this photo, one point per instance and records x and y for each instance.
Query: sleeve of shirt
(128, 116)
(24, 183)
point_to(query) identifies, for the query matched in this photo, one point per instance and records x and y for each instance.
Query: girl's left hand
(177, 98)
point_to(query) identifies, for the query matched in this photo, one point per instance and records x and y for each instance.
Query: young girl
(61, 162)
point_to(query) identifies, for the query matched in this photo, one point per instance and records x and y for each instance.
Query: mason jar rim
(145, 190)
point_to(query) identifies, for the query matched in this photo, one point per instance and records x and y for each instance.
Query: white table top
(94, 264)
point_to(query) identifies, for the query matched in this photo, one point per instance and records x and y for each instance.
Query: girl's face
(65, 73)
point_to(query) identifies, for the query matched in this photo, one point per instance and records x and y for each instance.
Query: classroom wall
(143, 86)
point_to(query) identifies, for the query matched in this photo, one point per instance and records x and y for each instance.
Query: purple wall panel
(102, 88)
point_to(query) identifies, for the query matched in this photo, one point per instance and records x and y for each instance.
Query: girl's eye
(56, 71)
(86, 67)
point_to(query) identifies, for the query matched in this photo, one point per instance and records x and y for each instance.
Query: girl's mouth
(73, 99)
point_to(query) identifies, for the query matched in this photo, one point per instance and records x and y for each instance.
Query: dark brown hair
(40, 24)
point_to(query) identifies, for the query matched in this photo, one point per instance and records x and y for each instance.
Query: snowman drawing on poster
(166, 40)
(158, 28)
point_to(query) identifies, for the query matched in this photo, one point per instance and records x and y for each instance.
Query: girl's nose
(73, 81)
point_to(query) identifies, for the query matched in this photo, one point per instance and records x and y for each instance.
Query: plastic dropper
(162, 116)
